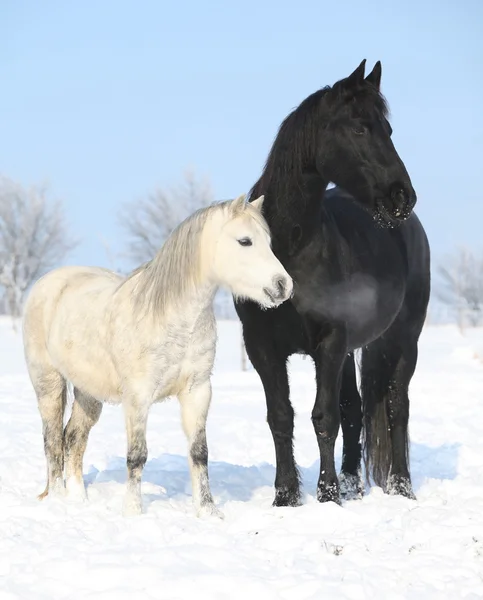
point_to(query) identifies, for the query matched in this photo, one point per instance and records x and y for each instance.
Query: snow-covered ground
(381, 547)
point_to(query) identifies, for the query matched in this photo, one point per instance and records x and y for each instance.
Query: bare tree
(149, 220)
(33, 239)
(462, 286)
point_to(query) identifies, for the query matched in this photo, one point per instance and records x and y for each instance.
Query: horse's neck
(293, 210)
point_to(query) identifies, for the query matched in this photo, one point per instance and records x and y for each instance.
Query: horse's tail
(376, 441)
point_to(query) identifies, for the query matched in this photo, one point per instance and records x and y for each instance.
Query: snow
(379, 547)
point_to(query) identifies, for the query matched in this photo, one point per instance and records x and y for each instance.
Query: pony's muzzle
(282, 289)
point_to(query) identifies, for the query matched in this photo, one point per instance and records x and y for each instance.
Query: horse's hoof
(397, 485)
(210, 511)
(329, 492)
(287, 497)
(351, 486)
(75, 490)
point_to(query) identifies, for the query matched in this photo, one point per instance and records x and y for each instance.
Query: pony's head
(242, 259)
(355, 150)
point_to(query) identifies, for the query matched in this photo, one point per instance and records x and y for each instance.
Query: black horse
(359, 258)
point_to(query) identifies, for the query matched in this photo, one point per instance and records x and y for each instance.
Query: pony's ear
(357, 77)
(374, 76)
(258, 203)
(238, 204)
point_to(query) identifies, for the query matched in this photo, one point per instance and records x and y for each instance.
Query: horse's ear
(374, 76)
(258, 203)
(238, 204)
(357, 77)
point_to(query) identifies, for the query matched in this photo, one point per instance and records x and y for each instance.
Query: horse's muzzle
(395, 208)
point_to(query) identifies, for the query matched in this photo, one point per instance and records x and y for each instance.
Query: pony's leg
(271, 366)
(329, 361)
(85, 414)
(350, 479)
(136, 414)
(195, 403)
(51, 390)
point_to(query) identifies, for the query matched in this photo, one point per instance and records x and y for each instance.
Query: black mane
(295, 146)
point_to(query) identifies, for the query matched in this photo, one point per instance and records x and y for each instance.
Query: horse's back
(65, 326)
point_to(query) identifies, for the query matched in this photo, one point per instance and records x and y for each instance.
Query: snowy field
(380, 548)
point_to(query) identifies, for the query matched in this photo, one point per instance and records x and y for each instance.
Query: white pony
(137, 340)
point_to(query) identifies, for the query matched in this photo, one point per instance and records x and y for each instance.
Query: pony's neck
(190, 303)
(178, 276)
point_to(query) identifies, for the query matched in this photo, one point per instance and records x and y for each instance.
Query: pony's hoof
(351, 486)
(287, 497)
(397, 485)
(75, 490)
(132, 507)
(329, 492)
(210, 511)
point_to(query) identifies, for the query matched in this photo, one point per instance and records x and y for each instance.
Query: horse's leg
(388, 365)
(136, 414)
(329, 361)
(271, 365)
(51, 390)
(405, 357)
(85, 414)
(350, 480)
(195, 402)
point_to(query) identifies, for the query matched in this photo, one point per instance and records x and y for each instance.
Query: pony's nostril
(281, 285)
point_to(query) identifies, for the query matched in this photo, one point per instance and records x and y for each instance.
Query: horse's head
(355, 150)
(243, 260)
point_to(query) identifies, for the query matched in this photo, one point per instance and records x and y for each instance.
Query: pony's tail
(376, 440)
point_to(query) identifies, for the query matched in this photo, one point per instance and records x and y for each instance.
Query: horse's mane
(295, 144)
(176, 269)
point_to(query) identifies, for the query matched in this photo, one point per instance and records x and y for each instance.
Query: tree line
(35, 237)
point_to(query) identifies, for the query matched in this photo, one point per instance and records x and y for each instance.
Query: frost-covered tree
(33, 239)
(148, 221)
(461, 287)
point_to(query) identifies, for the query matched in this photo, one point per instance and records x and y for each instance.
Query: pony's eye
(359, 130)
(245, 241)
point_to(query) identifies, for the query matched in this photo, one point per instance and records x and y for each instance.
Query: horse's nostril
(398, 194)
(400, 201)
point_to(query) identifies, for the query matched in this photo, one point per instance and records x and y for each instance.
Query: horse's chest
(364, 301)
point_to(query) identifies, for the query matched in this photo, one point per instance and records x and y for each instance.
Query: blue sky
(107, 100)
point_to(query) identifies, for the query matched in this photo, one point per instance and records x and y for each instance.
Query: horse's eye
(245, 241)
(359, 130)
